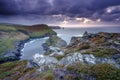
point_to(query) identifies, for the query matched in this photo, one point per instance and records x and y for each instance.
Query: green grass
(29, 30)
(4, 59)
(59, 57)
(78, 68)
(15, 70)
(10, 68)
(105, 72)
(41, 33)
(102, 52)
(85, 46)
(52, 40)
(7, 28)
(47, 75)
(98, 71)
(6, 44)
(71, 77)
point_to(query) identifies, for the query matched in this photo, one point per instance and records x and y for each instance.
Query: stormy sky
(61, 12)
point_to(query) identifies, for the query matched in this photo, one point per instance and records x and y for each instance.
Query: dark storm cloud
(93, 9)
(7, 7)
(83, 8)
(12, 7)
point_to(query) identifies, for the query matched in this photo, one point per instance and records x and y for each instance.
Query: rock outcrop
(96, 41)
(56, 41)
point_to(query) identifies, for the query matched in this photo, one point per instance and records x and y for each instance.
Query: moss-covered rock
(58, 57)
(102, 52)
(100, 44)
(98, 72)
(70, 77)
(105, 72)
(78, 68)
(56, 41)
(47, 75)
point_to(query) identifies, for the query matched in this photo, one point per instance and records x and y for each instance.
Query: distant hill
(55, 27)
(20, 25)
(31, 30)
(10, 24)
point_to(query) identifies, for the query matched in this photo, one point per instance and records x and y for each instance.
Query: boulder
(116, 56)
(56, 50)
(89, 58)
(61, 43)
(42, 60)
(56, 41)
(76, 40)
(85, 34)
(85, 58)
(31, 64)
(45, 46)
(71, 59)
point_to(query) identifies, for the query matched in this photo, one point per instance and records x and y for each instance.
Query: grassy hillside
(11, 34)
(32, 31)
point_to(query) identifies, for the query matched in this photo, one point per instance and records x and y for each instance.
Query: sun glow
(65, 22)
(86, 20)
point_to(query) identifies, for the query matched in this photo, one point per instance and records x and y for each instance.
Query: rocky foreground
(90, 48)
(90, 57)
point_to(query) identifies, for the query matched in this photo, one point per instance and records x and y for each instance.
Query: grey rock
(31, 64)
(45, 46)
(56, 50)
(61, 43)
(85, 34)
(89, 58)
(9, 55)
(116, 56)
(71, 59)
(42, 60)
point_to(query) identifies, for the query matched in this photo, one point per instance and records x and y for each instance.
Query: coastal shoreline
(21, 36)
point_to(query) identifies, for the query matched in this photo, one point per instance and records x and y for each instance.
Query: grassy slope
(6, 43)
(52, 40)
(16, 70)
(32, 31)
(99, 71)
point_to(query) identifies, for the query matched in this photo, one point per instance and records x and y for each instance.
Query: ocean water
(34, 46)
(67, 33)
